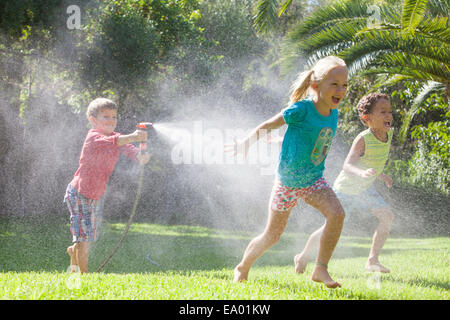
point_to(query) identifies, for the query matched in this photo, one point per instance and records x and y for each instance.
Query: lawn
(191, 262)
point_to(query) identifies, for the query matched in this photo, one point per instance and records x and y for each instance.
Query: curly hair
(366, 104)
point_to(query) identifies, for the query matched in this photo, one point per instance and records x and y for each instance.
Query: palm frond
(439, 8)
(422, 67)
(291, 54)
(399, 70)
(386, 80)
(284, 6)
(330, 16)
(428, 89)
(266, 15)
(361, 62)
(341, 29)
(436, 28)
(340, 35)
(393, 39)
(413, 13)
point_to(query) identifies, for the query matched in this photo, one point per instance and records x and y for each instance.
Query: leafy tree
(123, 52)
(271, 15)
(429, 166)
(25, 18)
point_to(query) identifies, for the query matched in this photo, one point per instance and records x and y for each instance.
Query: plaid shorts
(85, 215)
(284, 198)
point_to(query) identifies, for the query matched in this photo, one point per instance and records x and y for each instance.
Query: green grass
(191, 262)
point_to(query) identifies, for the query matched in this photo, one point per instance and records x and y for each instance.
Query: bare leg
(327, 203)
(276, 223)
(385, 218)
(82, 255)
(73, 258)
(301, 259)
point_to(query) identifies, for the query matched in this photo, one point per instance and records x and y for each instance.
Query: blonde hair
(318, 72)
(99, 104)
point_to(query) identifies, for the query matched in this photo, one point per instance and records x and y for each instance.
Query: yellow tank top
(375, 156)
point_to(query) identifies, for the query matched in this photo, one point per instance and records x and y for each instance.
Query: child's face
(381, 116)
(332, 89)
(105, 121)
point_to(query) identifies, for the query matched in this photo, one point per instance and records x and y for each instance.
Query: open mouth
(335, 100)
(387, 124)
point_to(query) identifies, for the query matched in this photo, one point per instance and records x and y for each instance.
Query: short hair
(366, 104)
(99, 104)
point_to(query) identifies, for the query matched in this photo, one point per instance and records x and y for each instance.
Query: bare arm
(356, 152)
(259, 132)
(387, 179)
(137, 136)
(264, 128)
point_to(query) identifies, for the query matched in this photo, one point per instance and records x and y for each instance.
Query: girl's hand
(387, 180)
(143, 158)
(238, 146)
(368, 173)
(276, 139)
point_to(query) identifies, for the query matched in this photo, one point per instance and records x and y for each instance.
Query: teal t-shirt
(306, 144)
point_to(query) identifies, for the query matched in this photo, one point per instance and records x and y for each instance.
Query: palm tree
(406, 41)
(267, 12)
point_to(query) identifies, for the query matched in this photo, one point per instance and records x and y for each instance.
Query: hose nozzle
(144, 126)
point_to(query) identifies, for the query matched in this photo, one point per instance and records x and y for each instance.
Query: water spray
(144, 126)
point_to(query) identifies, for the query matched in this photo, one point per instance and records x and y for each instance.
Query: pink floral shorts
(284, 198)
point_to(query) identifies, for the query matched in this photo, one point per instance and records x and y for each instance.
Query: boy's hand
(137, 136)
(387, 180)
(140, 135)
(143, 158)
(368, 173)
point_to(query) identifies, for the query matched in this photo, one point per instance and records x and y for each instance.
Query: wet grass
(191, 262)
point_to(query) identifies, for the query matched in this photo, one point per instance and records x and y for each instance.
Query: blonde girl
(311, 120)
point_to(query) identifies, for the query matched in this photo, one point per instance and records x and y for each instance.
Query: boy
(84, 194)
(354, 185)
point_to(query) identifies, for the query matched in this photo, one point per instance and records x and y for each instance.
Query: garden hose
(130, 220)
(144, 126)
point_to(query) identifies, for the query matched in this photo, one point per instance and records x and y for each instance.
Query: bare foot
(320, 274)
(376, 267)
(73, 259)
(239, 275)
(300, 262)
